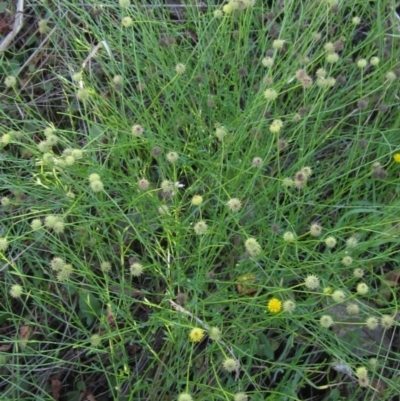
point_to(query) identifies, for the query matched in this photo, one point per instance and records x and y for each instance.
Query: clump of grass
(203, 199)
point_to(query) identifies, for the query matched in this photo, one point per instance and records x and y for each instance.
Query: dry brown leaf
(25, 332)
(90, 397)
(55, 388)
(5, 347)
(110, 316)
(393, 278)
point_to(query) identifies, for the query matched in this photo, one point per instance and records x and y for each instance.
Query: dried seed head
(282, 144)
(137, 130)
(230, 365)
(315, 229)
(257, 162)
(210, 102)
(156, 151)
(362, 104)
(242, 72)
(143, 184)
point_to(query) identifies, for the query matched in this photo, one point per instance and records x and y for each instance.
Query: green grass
(110, 335)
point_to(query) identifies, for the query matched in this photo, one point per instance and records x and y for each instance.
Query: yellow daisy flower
(274, 305)
(196, 335)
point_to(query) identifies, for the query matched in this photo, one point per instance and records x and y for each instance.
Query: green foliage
(271, 147)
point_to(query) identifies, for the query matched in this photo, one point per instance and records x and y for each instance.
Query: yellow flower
(196, 335)
(396, 157)
(274, 305)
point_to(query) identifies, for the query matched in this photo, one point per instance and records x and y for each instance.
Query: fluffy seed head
(373, 363)
(200, 228)
(43, 27)
(143, 184)
(361, 372)
(214, 333)
(329, 47)
(167, 186)
(270, 94)
(278, 44)
(163, 209)
(136, 269)
(338, 296)
(347, 260)
(315, 229)
(197, 200)
(82, 94)
(228, 8)
(374, 61)
(65, 273)
(220, 132)
(391, 76)
(332, 58)
(124, 3)
(267, 62)
(356, 20)
(288, 236)
(257, 162)
(36, 224)
(316, 36)
(326, 321)
(94, 177)
(180, 68)
(234, 204)
(352, 241)
(362, 289)
(58, 227)
(43, 146)
(307, 171)
(276, 126)
(387, 321)
(218, 14)
(137, 130)
(185, 397)
(127, 22)
(358, 273)
(330, 82)
(312, 282)
(252, 247)
(362, 63)
(240, 397)
(288, 182)
(372, 323)
(50, 221)
(5, 201)
(96, 186)
(10, 81)
(3, 244)
(105, 267)
(330, 242)
(230, 365)
(172, 157)
(352, 309)
(289, 306)
(16, 291)
(77, 76)
(57, 263)
(117, 80)
(95, 340)
(70, 160)
(363, 382)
